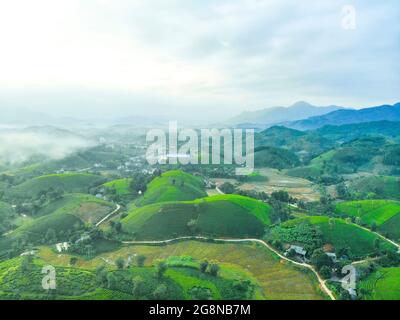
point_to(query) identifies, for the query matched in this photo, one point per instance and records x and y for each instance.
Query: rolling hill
(341, 235)
(68, 182)
(384, 214)
(349, 116)
(221, 215)
(63, 216)
(277, 158)
(307, 144)
(349, 132)
(381, 187)
(269, 116)
(173, 185)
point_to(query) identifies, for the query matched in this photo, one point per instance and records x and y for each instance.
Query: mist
(19, 146)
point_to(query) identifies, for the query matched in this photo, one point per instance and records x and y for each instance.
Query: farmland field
(383, 284)
(385, 214)
(341, 234)
(276, 279)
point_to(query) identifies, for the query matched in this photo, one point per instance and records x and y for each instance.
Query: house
(62, 246)
(297, 249)
(332, 256)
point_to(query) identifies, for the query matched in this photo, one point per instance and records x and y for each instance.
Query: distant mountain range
(348, 116)
(270, 116)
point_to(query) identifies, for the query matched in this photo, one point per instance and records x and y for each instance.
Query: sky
(200, 58)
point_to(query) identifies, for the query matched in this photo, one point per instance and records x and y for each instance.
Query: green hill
(173, 185)
(383, 187)
(7, 213)
(384, 214)
(86, 207)
(383, 284)
(277, 158)
(63, 216)
(68, 182)
(341, 234)
(221, 215)
(120, 186)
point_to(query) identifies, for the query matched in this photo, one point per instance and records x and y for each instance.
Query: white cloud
(238, 53)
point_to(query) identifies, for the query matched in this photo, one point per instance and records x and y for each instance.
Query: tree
(325, 272)
(161, 292)
(281, 196)
(192, 225)
(161, 269)
(140, 259)
(138, 285)
(320, 259)
(73, 261)
(101, 275)
(50, 236)
(214, 269)
(120, 262)
(26, 263)
(204, 266)
(227, 188)
(111, 281)
(377, 244)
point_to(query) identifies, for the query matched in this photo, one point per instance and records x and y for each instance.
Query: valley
(115, 227)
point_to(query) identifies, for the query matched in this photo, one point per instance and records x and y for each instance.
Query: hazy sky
(109, 58)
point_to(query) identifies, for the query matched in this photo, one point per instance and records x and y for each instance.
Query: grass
(370, 211)
(384, 187)
(69, 182)
(220, 215)
(121, 186)
(274, 279)
(383, 284)
(5, 210)
(385, 214)
(86, 207)
(341, 234)
(80, 282)
(173, 185)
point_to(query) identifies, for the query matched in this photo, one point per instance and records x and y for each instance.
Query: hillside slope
(347, 116)
(221, 215)
(173, 185)
(68, 182)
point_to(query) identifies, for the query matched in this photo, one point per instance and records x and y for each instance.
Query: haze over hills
(270, 116)
(348, 116)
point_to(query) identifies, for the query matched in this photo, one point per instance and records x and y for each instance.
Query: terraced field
(383, 284)
(342, 234)
(384, 214)
(276, 279)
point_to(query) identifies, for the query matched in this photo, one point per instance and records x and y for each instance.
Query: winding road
(322, 282)
(115, 211)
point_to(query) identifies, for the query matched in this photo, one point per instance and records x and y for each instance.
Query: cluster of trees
(305, 234)
(212, 268)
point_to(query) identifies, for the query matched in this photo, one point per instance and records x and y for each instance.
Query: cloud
(221, 55)
(18, 146)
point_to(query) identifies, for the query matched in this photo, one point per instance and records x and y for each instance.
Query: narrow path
(381, 236)
(108, 216)
(219, 190)
(305, 265)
